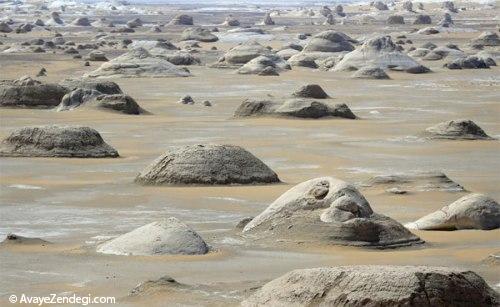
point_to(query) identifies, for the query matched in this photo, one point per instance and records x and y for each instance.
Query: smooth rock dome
(56, 141)
(375, 285)
(326, 210)
(456, 130)
(167, 236)
(473, 211)
(207, 165)
(310, 91)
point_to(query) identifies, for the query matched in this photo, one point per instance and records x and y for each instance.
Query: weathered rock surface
(487, 39)
(376, 52)
(56, 141)
(327, 211)
(293, 108)
(183, 20)
(207, 165)
(368, 72)
(262, 63)
(396, 20)
(138, 63)
(29, 93)
(376, 285)
(165, 237)
(151, 287)
(329, 41)
(199, 34)
(381, 6)
(415, 182)
(13, 239)
(81, 22)
(470, 62)
(422, 20)
(460, 129)
(244, 53)
(473, 211)
(310, 91)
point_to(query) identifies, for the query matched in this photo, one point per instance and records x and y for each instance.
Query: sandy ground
(74, 203)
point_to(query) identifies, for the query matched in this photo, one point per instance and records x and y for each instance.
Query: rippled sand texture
(78, 202)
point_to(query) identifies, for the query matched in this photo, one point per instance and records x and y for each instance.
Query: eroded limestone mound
(473, 211)
(326, 210)
(199, 34)
(379, 52)
(460, 129)
(415, 182)
(263, 63)
(207, 165)
(310, 91)
(244, 53)
(368, 72)
(329, 41)
(14, 239)
(293, 108)
(487, 39)
(165, 237)
(29, 93)
(138, 63)
(182, 20)
(376, 285)
(56, 141)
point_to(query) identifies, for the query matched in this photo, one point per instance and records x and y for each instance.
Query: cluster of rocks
(304, 103)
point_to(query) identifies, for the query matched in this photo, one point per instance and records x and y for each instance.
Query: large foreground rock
(56, 141)
(376, 285)
(167, 236)
(326, 210)
(138, 63)
(207, 164)
(378, 52)
(29, 93)
(293, 108)
(460, 129)
(473, 211)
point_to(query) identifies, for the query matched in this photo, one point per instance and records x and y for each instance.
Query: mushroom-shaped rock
(165, 237)
(376, 52)
(199, 34)
(368, 72)
(487, 39)
(56, 141)
(310, 91)
(329, 41)
(328, 211)
(293, 108)
(81, 22)
(207, 165)
(264, 62)
(460, 129)
(473, 211)
(138, 63)
(183, 20)
(376, 285)
(29, 93)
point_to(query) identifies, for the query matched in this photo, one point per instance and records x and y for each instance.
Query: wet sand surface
(76, 203)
